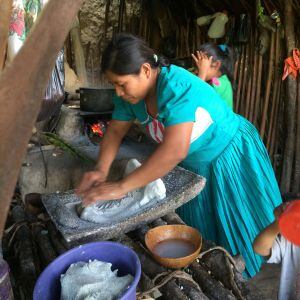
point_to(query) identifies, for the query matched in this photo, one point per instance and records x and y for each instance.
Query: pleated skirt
(239, 197)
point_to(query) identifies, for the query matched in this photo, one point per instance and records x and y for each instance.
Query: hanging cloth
(292, 65)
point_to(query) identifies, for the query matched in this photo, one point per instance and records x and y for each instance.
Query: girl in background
(215, 66)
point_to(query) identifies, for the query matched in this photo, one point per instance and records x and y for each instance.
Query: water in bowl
(174, 248)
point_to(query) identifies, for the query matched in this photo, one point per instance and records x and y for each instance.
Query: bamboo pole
(245, 70)
(5, 8)
(289, 150)
(274, 133)
(249, 83)
(275, 90)
(253, 87)
(258, 90)
(240, 80)
(268, 87)
(22, 85)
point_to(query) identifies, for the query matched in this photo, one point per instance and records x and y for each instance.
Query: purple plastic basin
(121, 257)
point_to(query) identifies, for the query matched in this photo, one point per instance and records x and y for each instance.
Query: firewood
(55, 238)
(23, 249)
(212, 288)
(46, 250)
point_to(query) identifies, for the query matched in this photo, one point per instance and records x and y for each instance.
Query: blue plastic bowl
(124, 259)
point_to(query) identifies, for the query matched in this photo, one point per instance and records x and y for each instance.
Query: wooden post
(296, 183)
(22, 85)
(5, 8)
(289, 151)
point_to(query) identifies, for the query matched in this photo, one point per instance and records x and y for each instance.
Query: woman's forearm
(170, 152)
(158, 165)
(110, 144)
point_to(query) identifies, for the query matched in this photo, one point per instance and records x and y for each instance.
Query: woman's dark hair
(125, 54)
(224, 54)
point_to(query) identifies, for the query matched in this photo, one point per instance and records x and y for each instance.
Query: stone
(181, 186)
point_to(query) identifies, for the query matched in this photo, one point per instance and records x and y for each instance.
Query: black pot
(96, 99)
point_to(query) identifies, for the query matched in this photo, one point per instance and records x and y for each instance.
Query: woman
(196, 128)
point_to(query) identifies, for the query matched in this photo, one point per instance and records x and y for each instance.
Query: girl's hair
(126, 53)
(224, 54)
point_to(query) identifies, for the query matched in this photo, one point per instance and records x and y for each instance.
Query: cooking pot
(96, 99)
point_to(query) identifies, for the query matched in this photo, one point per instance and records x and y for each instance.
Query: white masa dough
(105, 211)
(92, 281)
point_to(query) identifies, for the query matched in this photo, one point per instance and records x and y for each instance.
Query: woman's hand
(89, 180)
(103, 191)
(203, 63)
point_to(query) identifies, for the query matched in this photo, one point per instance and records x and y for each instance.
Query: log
(21, 94)
(289, 150)
(158, 222)
(46, 250)
(248, 289)
(5, 8)
(222, 270)
(189, 289)
(212, 288)
(55, 238)
(23, 250)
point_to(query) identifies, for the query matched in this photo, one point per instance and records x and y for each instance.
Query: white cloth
(288, 255)
(92, 281)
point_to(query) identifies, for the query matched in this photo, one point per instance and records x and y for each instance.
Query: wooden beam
(22, 86)
(291, 85)
(5, 8)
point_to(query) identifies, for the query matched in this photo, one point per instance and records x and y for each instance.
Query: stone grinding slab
(181, 186)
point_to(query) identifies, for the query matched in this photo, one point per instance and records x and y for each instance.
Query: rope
(181, 274)
(16, 227)
(200, 256)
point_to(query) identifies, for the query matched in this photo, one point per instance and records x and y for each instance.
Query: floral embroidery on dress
(17, 23)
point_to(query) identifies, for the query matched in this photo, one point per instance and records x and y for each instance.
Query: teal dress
(241, 190)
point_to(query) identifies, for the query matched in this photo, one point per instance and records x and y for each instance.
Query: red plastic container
(289, 222)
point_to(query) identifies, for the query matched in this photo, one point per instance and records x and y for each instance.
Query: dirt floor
(267, 280)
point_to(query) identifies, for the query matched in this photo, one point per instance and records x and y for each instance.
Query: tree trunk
(22, 85)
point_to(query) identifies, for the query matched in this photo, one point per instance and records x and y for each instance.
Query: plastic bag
(54, 94)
